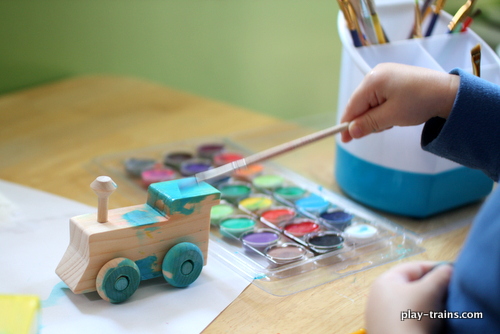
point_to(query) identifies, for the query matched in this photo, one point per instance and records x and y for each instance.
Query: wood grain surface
(49, 134)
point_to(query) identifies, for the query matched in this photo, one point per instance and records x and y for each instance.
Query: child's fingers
(372, 121)
(345, 136)
(362, 100)
(411, 271)
(439, 276)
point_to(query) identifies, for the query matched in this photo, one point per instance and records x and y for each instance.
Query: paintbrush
(367, 23)
(269, 153)
(469, 19)
(435, 15)
(461, 15)
(475, 54)
(350, 21)
(376, 22)
(424, 11)
(417, 28)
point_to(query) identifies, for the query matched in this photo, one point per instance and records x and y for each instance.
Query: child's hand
(414, 286)
(396, 94)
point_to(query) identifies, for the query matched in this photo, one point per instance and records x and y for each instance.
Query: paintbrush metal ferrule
(437, 11)
(439, 6)
(425, 8)
(461, 14)
(417, 27)
(371, 7)
(430, 28)
(227, 169)
(220, 171)
(343, 4)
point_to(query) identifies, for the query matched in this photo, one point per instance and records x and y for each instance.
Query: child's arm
(396, 94)
(469, 136)
(414, 287)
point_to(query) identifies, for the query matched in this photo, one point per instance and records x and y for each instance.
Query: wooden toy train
(112, 251)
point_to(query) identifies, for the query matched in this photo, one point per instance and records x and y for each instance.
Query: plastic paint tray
(316, 266)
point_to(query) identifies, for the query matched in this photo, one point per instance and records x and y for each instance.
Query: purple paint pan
(260, 239)
(194, 166)
(209, 150)
(175, 159)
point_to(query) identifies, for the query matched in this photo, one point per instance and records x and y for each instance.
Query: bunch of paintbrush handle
(363, 22)
(366, 29)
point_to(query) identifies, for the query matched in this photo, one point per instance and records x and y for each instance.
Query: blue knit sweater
(471, 137)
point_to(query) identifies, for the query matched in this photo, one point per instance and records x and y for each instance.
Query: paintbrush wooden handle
(269, 153)
(286, 147)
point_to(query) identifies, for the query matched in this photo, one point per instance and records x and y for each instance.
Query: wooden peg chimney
(103, 186)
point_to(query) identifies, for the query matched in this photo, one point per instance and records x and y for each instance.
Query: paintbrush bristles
(269, 153)
(220, 171)
(475, 54)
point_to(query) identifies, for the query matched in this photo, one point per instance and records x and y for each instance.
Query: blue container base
(406, 193)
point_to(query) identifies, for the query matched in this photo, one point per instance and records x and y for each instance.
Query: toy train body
(166, 236)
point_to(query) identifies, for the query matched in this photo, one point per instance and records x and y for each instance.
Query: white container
(389, 170)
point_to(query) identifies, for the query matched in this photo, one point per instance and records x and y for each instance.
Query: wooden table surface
(50, 133)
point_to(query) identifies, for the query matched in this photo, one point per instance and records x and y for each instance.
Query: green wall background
(280, 57)
(274, 56)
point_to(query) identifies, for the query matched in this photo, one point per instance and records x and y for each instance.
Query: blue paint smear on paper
(146, 267)
(58, 291)
(139, 217)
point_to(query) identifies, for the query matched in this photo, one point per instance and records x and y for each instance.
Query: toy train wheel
(182, 265)
(118, 279)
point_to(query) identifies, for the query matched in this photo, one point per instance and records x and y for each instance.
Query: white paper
(32, 245)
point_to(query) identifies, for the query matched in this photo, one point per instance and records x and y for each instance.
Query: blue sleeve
(471, 134)
(474, 288)
(471, 137)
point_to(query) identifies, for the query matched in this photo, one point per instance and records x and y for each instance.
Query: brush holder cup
(389, 170)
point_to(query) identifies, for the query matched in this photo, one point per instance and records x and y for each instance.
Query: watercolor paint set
(274, 227)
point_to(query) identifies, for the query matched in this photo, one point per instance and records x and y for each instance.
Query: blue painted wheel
(182, 265)
(117, 280)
